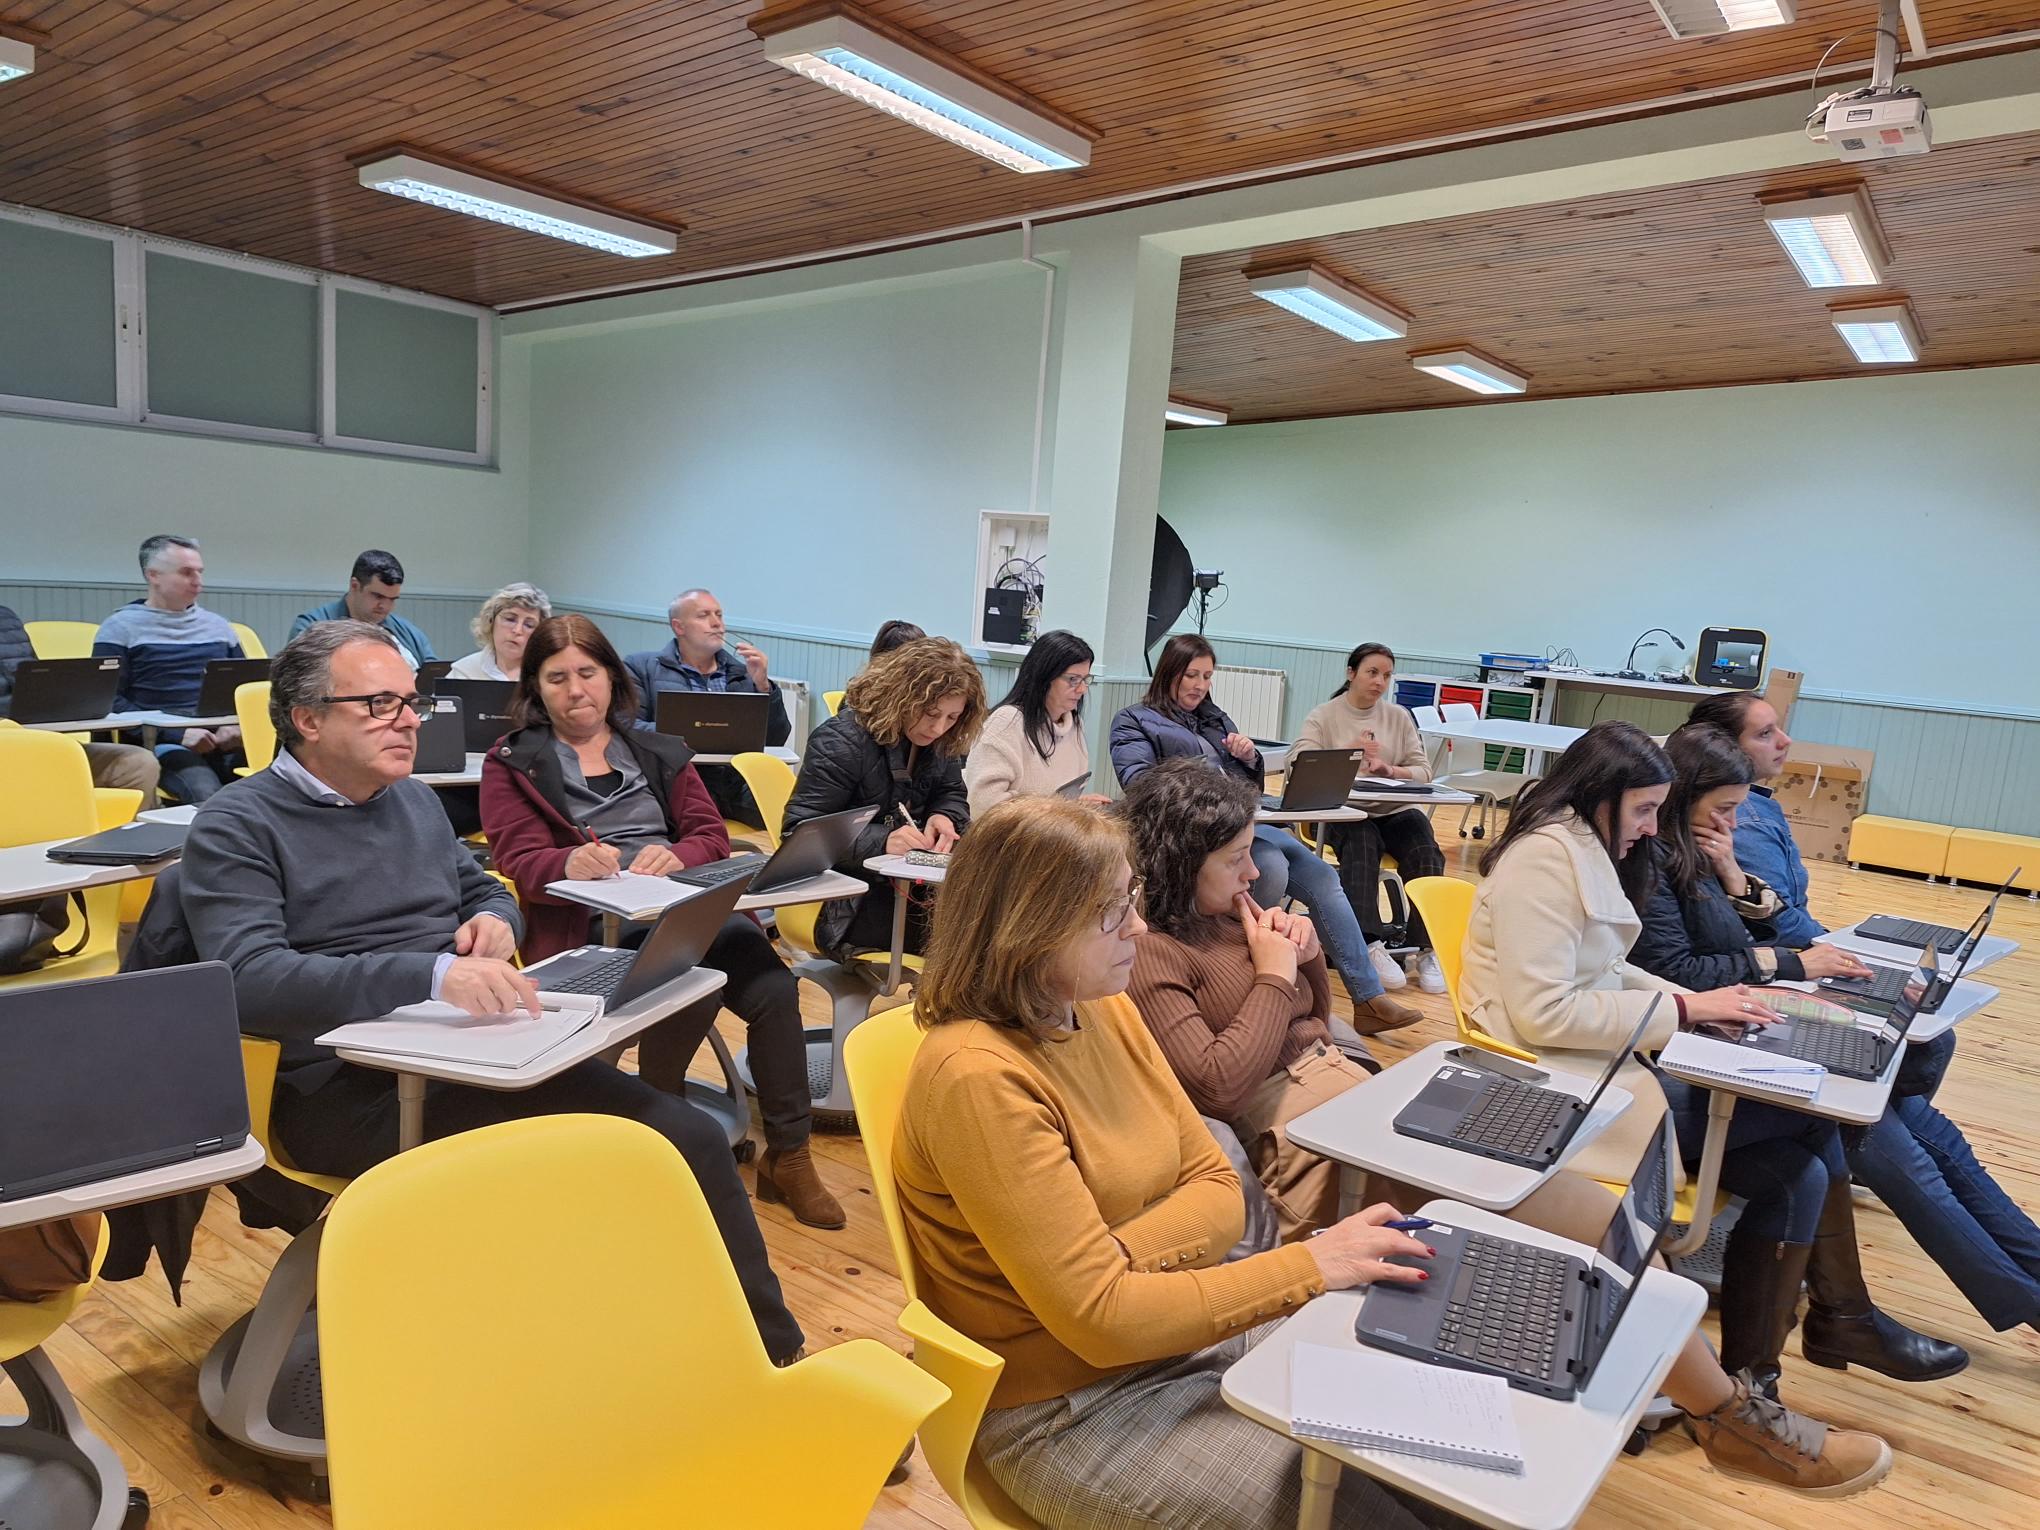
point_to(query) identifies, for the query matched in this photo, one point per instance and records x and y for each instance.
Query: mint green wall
(1884, 531)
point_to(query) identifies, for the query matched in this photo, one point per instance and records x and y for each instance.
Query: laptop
(442, 740)
(1316, 781)
(484, 710)
(431, 672)
(812, 848)
(114, 1075)
(1539, 1319)
(66, 690)
(715, 722)
(1851, 1051)
(1479, 1111)
(673, 949)
(133, 844)
(222, 678)
(1887, 985)
(1917, 932)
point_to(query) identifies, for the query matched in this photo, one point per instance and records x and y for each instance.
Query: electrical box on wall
(1006, 599)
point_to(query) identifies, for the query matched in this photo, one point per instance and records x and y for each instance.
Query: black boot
(1843, 1327)
(1759, 1299)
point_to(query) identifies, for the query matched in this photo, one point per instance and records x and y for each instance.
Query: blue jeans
(187, 775)
(1920, 1165)
(1777, 1160)
(1289, 867)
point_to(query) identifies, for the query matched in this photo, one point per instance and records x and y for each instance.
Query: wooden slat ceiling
(1674, 288)
(231, 122)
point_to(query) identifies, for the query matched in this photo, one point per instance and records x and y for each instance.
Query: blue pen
(1409, 1224)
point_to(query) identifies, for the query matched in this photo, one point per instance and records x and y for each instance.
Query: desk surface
(1990, 950)
(777, 751)
(117, 720)
(184, 812)
(1965, 999)
(1851, 1101)
(26, 871)
(103, 1195)
(1507, 731)
(1347, 814)
(1617, 685)
(899, 869)
(1382, 803)
(1358, 1128)
(1567, 1446)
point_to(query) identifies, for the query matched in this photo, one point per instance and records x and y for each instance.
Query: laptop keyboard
(715, 873)
(1914, 933)
(604, 978)
(1512, 1117)
(1844, 1049)
(1887, 984)
(1508, 1314)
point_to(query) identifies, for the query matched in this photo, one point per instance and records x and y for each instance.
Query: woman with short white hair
(503, 626)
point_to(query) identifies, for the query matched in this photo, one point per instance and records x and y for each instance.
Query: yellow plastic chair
(833, 700)
(61, 640)
(258, 733)
(1447, 906)
(49, 795)
(878, 1059)
(251, 645)
(469, 1383)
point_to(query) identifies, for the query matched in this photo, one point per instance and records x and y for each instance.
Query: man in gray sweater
(333, 886)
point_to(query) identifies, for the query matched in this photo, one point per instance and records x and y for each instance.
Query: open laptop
(673, 949)
(812, 848)
(1852, 1051)
(484, 709)
(1892, 930)
(1316, 781)
(1478, 1111)
(1538, 1318)
(114, 1075)
(715, 722)
(1886, 985)
(431, 672)
(222, 678)
(442, 740)
(65, 690)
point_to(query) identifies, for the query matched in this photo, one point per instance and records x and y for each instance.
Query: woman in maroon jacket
(577, 792)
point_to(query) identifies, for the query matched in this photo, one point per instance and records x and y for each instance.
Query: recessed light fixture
(463, 191)
(1881, 334)
(1833, 240)
(1710, 18)
(17, 58)
(1313, 293)
(838, 45)
(1180, 413)
(1470, 369)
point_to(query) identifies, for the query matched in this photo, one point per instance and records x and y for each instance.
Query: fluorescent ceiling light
(17, 58)
(878, 64)
(1834, 240)
(1879, 333)
(462, 191)
(1313, 293)
(1708, 18)
(1193, 414)
(1470, 369)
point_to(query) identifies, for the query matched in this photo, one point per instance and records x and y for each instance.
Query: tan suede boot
(1751, 1437)
(1381, 1013)
(789, 1177)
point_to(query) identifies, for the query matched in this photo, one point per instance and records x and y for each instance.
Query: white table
(777, 751)
(1347, 814)
(114, 722)
(1989, 950)
(129, 1189)
(469, 774)
(1964, 999)
(1567, 1446)
(1381, 803)
(183, 812)
(815, 889)
(1547, 738)
(1357, 1131)
(903, 876)
(1549, 684)
(26, 871)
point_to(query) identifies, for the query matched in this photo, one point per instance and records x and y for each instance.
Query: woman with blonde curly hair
(897, 745)
(503, 626)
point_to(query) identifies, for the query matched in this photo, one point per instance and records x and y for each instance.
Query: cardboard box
(1823, 789)
(1781, 689)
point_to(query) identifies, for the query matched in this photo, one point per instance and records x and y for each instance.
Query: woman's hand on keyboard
(1355, 1251)
(1822, 961)
(1739, 1005)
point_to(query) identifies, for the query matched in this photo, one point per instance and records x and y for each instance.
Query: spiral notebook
(1742, 1068)
(1371, 1400)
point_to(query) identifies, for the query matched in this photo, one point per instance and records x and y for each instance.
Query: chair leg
(50, 1458)
(260, 1381)
(730, 1104)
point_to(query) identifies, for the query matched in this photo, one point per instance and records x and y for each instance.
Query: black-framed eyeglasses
(384, 705)
(1112, 918)
(1076, 682)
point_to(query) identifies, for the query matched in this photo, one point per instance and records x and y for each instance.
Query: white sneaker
(1424, 968)
(1385, 968)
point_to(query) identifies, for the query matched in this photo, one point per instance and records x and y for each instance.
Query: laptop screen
(1641, 1218)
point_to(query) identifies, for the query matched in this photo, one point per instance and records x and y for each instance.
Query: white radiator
(1252, 698)
(797, 697)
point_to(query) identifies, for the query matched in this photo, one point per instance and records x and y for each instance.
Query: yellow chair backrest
(258, 733)
(833, 700)
(877, 1057)
(251, 643)
(28, 1325)
(1447, 906)
(61, 640)
(49, 795)
(258, 1070)
(771, 782)
(468, 1383)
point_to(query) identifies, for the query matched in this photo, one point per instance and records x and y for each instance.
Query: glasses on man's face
(1112, 918)
(385, 705)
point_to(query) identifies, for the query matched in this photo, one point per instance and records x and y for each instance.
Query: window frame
(329, 364)
(126, 325)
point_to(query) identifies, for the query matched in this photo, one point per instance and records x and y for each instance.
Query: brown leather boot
(1750, 1436)
(1759, 1301)
(789, 1177)
(1381, 1013)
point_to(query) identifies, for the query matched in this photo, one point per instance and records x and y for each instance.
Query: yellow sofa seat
(1988, 857)
(1899, 843)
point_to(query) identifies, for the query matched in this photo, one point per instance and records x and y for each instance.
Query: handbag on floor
(45, 1258)
(29, 932)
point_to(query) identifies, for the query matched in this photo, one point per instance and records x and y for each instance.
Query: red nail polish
(1431, 1251)
(1423, 1274)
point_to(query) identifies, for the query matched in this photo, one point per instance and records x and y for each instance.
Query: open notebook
(630, 894)
(1371, 1400)
(1741, 1068)
(445, 1033)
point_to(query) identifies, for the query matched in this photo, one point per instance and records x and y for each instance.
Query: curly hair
(892, 693)
(529, 596)
(1178, 813)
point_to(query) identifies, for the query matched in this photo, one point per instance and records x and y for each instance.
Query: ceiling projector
(1874, 124)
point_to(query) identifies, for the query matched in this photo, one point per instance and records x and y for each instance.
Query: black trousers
(349, 1124)
(870, 926)
(1407, 836)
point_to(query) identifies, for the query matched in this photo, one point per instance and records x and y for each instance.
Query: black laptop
(114, 1075)
(812, 848)
(132, 844)
(66, 690)
(715, 722)
(442, 740)
(673, 949)
(1853, 1051)
(1479, 1111)
(1886, 985)
(1316, 781)
(431, 672)
(223, 677)
(1917, 932)
(484, 709)
(1538, 1318)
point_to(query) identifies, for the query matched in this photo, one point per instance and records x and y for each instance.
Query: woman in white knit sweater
(1033, 741)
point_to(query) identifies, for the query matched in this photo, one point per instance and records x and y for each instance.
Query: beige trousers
(1302, 1187)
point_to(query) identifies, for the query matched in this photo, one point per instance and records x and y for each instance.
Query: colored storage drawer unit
(1900, 843)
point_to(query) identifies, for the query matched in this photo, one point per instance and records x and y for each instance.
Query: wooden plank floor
(1968, 1448)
